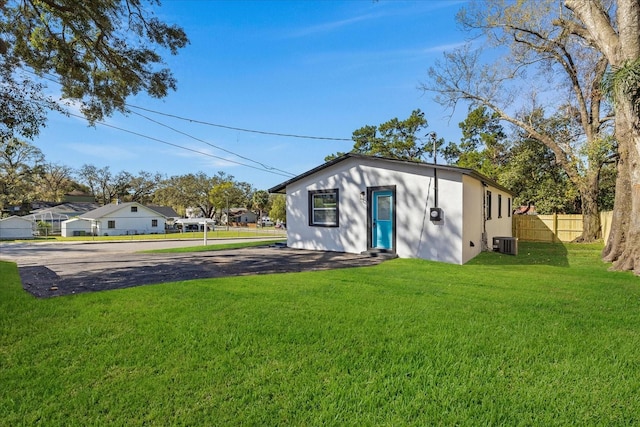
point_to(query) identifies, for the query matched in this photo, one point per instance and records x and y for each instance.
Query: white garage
(16, 227)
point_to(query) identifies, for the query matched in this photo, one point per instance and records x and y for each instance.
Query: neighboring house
(358, 203)
(16, 227)
(57, 214)
(241, 216)
(75, 227)
(525, 210)
(119, 219)
(168, 212)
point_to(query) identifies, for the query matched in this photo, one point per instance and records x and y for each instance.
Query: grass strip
(215, 247)
(217, 234)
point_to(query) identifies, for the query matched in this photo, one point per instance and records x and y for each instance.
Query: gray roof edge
(281, 188)
(110, 208)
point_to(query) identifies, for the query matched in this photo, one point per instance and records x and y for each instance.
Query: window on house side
(111, 224)
(154, 222)
(323, 208)
(134, 209)
(509, 206)
(499, 205)
(488, 204)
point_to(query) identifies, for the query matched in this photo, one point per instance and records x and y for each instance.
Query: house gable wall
(475, 212)
(16, 227)
(416, 235)
(72, 225)
(473, 205)
(500, 224)
(127, 222)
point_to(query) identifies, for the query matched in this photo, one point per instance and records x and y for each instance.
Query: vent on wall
(505, 245)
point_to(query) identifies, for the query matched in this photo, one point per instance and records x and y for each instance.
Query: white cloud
(331, 26)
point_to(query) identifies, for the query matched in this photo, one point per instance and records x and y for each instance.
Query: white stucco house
(358, 203)
(75, 227)
(116, 220)
(16, 227)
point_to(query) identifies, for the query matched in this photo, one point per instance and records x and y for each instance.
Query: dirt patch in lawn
(65, 276)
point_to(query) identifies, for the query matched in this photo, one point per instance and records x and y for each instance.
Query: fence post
(554, 237)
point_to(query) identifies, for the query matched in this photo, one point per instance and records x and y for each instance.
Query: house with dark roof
(366, 204)
(56, 214)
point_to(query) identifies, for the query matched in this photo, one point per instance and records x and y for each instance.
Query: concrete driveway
(54, 269)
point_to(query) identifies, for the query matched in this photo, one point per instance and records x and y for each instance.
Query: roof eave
(282, 188)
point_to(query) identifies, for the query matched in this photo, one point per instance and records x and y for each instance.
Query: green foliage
(102, 51)
(397, 139)
(226, 192)
(260, 201)
(107, 186)
(536, 178)
(606, 196)
(190, 191)
(44, 228)
(278, 210)
(624, 81)
(56, 180)
(544, 338)
(23, 102)
(483, 146)
(20, 170)
(221, 195)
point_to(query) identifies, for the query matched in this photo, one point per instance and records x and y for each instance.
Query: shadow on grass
(529, 253)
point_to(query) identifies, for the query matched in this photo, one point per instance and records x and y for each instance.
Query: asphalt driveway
(63, 269)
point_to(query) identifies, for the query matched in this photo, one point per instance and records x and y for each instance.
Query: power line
(287, 135)
(267, 167)
(260, 132)
(286, 174)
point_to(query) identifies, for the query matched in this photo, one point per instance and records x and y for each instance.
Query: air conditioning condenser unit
(506, 245)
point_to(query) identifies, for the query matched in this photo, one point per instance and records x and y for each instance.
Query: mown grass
(546, 338)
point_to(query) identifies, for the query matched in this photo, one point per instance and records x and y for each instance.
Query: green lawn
(546, 338)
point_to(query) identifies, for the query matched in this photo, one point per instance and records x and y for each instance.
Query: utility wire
(264, 166)
(261, 132)
(287, 135)
(267, 167)
(288, 175)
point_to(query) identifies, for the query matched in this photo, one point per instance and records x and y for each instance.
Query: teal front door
(382, 219)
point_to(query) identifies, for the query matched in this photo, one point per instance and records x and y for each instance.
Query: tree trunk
(622, 205)
(620, 43)
(591, 230)
(623, 247)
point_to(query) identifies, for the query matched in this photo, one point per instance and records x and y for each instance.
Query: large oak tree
(615, 32)
(543, 68)
(101, 51)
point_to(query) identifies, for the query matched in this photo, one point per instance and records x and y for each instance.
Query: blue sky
(316, 68)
